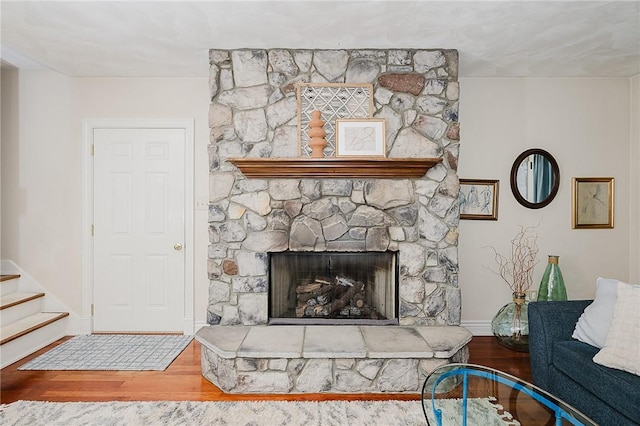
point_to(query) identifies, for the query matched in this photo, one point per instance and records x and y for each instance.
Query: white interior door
(139, 230)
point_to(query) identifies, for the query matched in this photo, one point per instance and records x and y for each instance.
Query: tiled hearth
(331, 359)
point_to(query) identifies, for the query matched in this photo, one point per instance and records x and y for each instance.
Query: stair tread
(7, 277)
(18, 328)
(13, 299)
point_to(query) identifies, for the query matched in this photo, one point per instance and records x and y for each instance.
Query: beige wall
(634, 186)
(584, 123)
(9, 96)
(40, 199)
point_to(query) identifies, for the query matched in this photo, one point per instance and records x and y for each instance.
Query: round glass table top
(469, 394)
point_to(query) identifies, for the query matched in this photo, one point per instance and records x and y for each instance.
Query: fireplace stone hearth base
(327, 359)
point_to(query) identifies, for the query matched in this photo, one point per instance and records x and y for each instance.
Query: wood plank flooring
(183, 380)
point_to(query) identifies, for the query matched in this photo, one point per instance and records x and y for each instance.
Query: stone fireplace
(254, 114)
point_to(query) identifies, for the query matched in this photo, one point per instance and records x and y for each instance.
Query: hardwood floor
(183, 380)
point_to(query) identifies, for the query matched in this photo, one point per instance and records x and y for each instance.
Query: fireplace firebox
(333, 288)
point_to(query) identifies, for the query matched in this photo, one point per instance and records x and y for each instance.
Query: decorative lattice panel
(335, 101)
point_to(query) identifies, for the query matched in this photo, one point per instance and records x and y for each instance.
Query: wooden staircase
(25, 328)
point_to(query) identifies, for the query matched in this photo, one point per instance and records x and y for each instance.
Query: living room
(587, 120)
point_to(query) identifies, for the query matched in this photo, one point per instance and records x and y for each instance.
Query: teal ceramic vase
(552, 284)
(510, 326)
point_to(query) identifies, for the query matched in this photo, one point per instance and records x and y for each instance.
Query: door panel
(139, 215)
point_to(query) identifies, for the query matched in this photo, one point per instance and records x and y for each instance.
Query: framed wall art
(334, 101)
(478, 199)
(592, 202)
(358, 137)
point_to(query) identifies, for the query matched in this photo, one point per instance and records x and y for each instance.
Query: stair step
(24, 326)
(28, 335)
(8, 286)
(7, 277)
(14, 299)
(16, 306)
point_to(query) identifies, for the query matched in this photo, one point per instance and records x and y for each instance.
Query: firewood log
(304, 296)
(343, 301)
(358, 300)
(307, 288)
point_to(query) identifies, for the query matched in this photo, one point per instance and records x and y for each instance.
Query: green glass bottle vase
(510, 326)
(552, 284)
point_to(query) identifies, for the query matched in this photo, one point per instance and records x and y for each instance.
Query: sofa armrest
(550, 322)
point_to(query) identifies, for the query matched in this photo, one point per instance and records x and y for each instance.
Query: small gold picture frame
(360, 137)
(592, 205)
(478, 199)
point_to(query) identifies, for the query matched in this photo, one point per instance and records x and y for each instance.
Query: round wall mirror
(535, 178)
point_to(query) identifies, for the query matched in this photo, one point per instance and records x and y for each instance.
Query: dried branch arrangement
(517, 270)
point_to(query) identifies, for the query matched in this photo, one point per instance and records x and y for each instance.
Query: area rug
(112, 352)
(242, 413)
(480, 411)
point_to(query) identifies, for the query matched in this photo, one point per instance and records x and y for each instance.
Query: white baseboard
(198, 325)
(82, 325)
(478, 328)
(189, 326)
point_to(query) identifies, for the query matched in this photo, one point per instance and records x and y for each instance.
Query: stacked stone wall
(253, 113)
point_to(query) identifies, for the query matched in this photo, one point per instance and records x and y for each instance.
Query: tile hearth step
(283, 359)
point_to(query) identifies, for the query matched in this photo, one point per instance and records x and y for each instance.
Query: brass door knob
(177, 246)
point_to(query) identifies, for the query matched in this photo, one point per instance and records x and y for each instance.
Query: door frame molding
(89, 125)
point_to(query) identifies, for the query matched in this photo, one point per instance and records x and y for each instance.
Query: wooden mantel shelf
(334, 167)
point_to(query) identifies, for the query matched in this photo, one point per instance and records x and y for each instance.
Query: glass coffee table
(468, 394)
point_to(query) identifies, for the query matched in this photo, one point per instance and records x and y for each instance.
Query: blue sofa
(564, 367)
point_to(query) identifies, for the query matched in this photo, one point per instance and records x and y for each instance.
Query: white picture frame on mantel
(358, 137)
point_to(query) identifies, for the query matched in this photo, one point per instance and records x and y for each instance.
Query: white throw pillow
(622, 348)
(593, 325)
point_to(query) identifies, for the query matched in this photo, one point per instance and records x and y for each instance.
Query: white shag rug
(239, 413)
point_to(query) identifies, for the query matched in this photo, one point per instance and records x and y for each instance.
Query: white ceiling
(172, 38)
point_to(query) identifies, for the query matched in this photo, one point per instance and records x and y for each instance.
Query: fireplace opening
(333, 288)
